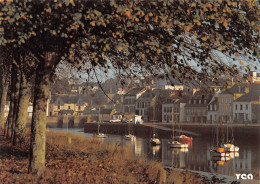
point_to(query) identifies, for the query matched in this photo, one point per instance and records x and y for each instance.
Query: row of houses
(158, 101)
(238, 104)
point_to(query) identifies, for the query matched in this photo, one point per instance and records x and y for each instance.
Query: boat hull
(179, 146)
(155, 141)
(184, 138)
(218, 154)
(100, 135)
(231, 148)
(176, 144)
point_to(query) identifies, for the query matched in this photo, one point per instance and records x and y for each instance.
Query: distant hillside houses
(157, 100)
(67, 104)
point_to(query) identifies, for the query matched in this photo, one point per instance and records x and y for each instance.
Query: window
(222, 100)
(199, 101)
(226, 99)
(68, 107)
(246, 106)
(164, 109)
(79, 107)
(241, 107)
(246, 116)
(205, 101)
(58, 107)
(236, 106)
(165, 118)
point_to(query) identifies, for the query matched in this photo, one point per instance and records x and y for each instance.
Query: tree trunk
(44, 73)
(16, 100)
(4, 90)
(11, 107)
(24, 98)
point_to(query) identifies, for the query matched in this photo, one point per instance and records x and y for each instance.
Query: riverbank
(165, 130)
(85, 161)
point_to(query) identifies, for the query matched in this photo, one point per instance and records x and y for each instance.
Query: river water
(196, 158)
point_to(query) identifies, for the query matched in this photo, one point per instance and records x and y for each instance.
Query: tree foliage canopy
(154, 36)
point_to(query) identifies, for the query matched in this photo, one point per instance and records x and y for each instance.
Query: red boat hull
(186, 139)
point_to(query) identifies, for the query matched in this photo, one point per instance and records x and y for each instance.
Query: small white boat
(155, 141)
(176, 144)
(231, 148)
(130, 137)
(101, 135)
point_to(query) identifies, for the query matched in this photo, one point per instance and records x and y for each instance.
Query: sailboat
(176, 144)
(100, 135)
(154, 140)
(184, 138)
(130, 136)
(228, 146)
(219, 152)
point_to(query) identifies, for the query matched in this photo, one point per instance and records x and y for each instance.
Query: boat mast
(217, 121)
(227, 121)
(172, 124)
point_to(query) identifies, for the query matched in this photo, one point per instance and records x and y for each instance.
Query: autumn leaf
(204, 38)
(92, 23)
(128, 14)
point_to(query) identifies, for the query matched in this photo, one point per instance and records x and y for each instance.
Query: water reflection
(197, 157)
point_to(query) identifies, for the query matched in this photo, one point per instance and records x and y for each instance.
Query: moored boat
(176, 144)
(219, 152)
(101, 135)
(231, 148)
(155, 141)
(184, 138)
(130, 137)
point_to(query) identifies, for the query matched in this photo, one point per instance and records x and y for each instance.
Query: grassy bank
(84, 161)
